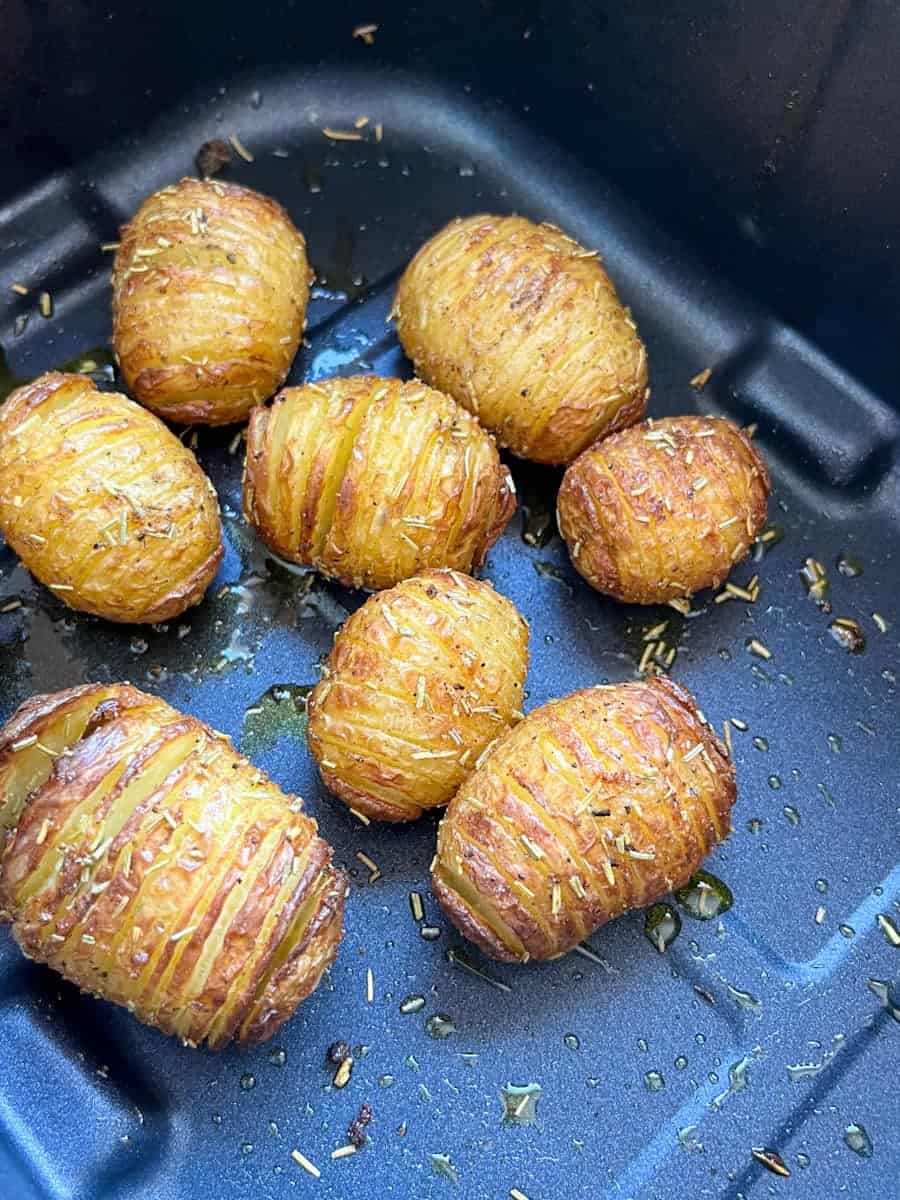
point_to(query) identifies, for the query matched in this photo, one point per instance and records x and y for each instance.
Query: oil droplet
(792, 814)
(520, 1103)
(440, 1026)
(642, 1045)
(774, 782)
(279, 712)
(277, 1057)
(858, 1140)
(847, 931)
(571, 1042)
(654, 1081)
(680, 1062)
(848, 633)
(834, 743)
(724, 654)
(662, 926)
(803, 1160)
(248, 1082)
(273, 1128)
(443, 1166)
(848, 565)
(822, 886)
(688, 1140)
(412, 1004)
(217, 1118)
(246, 1149)
(385, 1081)
(754, 825)
(761, 743)
(705, 896)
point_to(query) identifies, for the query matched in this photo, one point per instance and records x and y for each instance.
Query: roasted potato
(152, 865)
(597, 803)
(370, 480)
(421, 680)
(210, 287)
(664, 509)
(103, 504)
(523, 326)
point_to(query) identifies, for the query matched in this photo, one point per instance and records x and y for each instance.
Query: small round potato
(523, 326)
(370, 480)
(210, 287)
(594, 804)
(102, 502)
(662, 510)
(421, 680)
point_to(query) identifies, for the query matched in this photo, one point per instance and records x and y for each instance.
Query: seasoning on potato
(594, 804)
(152, 865)
(103, 504)
(370, 480)
(210, 287)
(523, 326)
(662, 510)
(421, 680)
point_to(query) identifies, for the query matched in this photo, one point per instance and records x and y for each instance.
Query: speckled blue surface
(93, 1106)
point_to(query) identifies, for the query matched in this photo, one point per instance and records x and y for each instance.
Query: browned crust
(523, 326)
(370, 480)
(664, 509)
(210, 288)
(597, 803)
(152, 842)
(103, 503)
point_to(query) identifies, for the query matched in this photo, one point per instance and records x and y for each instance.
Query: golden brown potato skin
(370, 480)
(523, 326)
(663, 509)
(210, 287)
(421, 680)
(594, 804)
(152, 865)
(102, 502)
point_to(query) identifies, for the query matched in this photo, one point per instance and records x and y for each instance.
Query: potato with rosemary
(594, 804)
(103, 504)
(659, 511)
(210, 287)
(421, 681)
(370, 480)
(523, 326)
(152, 865)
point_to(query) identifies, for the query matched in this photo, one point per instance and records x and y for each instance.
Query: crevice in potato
(370, 480)
(154, 866)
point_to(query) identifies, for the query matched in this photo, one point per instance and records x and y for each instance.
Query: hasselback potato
(153, 866)
(664, 509)
(597, 803)
(370, 480)
(421, 680)
(210, 287)
(103, 504)
(523, 326)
